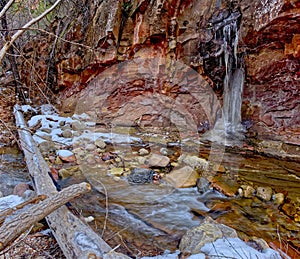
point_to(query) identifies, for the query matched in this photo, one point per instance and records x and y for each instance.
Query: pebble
(66, 156)
(247, 191)
(90, 147)
(77, 126)
(264, 193)
(164, 151)
(100, 143)
(193, 161)
(117, 171)
(143, 152)
(278, 198)
(67, 134)
(46, 146)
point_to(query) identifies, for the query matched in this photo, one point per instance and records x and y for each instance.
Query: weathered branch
(34, 200)
(21, 220)
(75, 237)
(6, 7)
(8, 44)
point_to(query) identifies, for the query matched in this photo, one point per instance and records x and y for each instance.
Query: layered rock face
(136, 62)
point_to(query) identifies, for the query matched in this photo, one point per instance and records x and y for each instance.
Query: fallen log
(7, 212)
(75, 238)
(21, 220)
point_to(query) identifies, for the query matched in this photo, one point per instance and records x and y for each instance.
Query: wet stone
(202, 185)
(141, 175)
(46, 130)
(193, 161)
(183, 177)
(264, 193)
(46, 146)
(116, 171)
(158, 161)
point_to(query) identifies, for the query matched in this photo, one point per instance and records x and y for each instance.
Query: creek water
(154, 217)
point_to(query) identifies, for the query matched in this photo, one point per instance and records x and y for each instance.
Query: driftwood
(7, 212)
(75, 237)
(23, 219)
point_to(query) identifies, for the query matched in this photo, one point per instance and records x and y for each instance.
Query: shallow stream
(149, 218)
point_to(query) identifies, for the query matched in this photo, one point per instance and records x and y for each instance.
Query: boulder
(209, 231)
(183, 177)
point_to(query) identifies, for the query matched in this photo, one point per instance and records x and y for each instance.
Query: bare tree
(19, 32)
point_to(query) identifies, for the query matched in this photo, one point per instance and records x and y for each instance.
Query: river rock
(141, 175)
(202, 185)
(116, 171)
(100, 143)
(90, 147)
(209, 231)
(183, 177)
(143, 152)
(247, 191)
(278, 198)
(67, 133)
(193, 161)
(158, 161)
(264, 193)
(1, 194)
(77, 125)
(66, 155)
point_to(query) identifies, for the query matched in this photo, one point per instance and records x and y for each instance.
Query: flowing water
(154, 217)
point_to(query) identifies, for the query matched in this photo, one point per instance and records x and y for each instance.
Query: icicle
(235, 44)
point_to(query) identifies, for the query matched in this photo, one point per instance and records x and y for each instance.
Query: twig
(106, 206)
(52, 34)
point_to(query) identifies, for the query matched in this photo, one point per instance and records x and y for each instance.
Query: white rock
(64, 153)
(143, 152)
